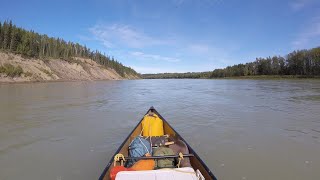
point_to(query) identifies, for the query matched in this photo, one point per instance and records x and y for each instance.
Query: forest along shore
(297, 64)
(29, 56)
(15, 68)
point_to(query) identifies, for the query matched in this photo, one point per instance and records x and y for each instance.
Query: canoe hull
(196, 161)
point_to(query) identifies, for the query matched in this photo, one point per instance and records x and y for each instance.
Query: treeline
(297, 63)
(302, 63)
(31, 44)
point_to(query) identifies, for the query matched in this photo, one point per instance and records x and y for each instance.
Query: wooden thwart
(158, 157)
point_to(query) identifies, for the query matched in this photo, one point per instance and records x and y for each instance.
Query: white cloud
(215, 55)
(310, 33)
(297, 5)
(153, 57)
(130, 41)
(152, 70)
(199, 48)
(118, 34)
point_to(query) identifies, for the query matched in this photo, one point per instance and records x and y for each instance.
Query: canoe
(195, 160)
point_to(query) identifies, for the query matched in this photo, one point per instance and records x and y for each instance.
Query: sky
(175, 35)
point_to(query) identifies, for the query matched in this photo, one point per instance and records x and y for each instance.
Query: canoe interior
(196, 162)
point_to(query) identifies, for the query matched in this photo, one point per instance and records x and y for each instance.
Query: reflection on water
(242, 129)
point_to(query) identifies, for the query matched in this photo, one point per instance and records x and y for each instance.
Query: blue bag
(138, 148)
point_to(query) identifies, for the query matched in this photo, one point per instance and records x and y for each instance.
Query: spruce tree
(7, 35)
(14, 40)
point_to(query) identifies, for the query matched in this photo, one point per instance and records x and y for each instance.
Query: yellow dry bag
(152, 125)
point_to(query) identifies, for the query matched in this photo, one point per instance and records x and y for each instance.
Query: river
(242, 129)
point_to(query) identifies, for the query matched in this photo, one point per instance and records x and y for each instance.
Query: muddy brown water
(242, 129)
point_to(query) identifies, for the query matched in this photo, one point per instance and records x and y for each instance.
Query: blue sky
(175, 35)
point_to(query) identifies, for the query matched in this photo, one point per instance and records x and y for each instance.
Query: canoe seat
(186, 173)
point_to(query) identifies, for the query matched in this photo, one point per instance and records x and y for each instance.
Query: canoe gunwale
(190, 149)
(119, 149)
(177, 134)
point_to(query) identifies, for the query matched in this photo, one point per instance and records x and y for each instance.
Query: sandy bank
(35, 70)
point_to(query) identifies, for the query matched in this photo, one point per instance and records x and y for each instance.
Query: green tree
(14, 40)
(7, 35)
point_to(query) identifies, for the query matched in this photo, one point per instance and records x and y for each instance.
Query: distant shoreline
(264, 77)
(258, 77)
(267, 77)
